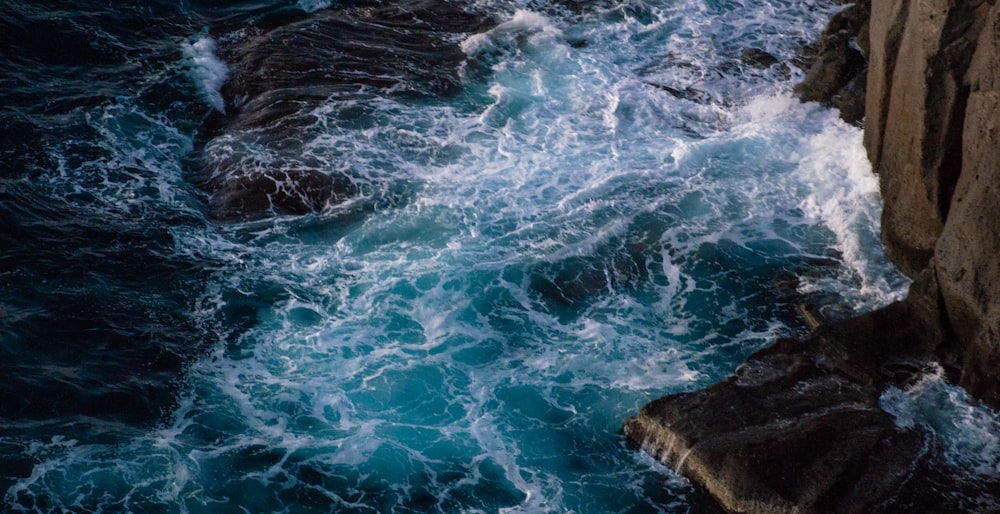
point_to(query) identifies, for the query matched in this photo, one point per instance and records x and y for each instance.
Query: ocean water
(605, 205)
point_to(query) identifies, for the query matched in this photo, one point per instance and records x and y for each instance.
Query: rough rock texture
(932, 137)
(967, 255)
(798, 427)
(837, 74)
(916, 106)
(254, 159)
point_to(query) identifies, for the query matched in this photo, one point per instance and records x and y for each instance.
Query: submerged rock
(278, 192)
(758, 58)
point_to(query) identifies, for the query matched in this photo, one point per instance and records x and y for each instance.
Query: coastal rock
(916, 105)
(837, 74)
(967, 255)
(798, 428)
(254, 158)
(278, 192)
(758, 58)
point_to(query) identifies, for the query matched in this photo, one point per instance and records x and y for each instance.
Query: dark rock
(758, 58)
(408, 47)
(798, 427)
(850, 99)
(278, 192)
(835, 76)
(688, 93)
(251, 158)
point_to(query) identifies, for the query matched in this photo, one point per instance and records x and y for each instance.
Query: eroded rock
(967, 255)
(917, 103)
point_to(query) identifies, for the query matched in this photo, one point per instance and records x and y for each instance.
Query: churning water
(611, 207)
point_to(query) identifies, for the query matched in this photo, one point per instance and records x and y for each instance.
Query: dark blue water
(404, 257)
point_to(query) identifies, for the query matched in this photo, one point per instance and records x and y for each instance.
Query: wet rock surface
(294, 192)
(798, 427)
(253, 159)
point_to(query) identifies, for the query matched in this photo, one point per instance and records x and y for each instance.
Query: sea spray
(207, 71)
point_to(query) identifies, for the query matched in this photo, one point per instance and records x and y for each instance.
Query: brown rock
(914, 116)
(798, 427)
(967, 256)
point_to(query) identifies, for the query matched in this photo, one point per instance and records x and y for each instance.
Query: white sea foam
(524, 25)
(968, 430)
(313, 5)
(208, 72)
(845, 196)
(408, 355)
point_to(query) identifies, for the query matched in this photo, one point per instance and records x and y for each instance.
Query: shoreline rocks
(838, 72)
(798, 427)
(253, 159)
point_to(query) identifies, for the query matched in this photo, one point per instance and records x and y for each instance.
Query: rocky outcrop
(798, 427)
(932, 138)
(837, 73)
(967, 254)
(254, 159)
(917, 99)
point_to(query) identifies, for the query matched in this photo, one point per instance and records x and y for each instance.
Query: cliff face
(798, 427)
(931, 116)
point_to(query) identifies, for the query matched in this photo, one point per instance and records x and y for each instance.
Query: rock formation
(798, 427)
(837, 73)
(253, 158)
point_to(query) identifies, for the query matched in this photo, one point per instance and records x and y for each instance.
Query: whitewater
(615, 206)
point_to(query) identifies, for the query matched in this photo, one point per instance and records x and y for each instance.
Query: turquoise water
(529, 262)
